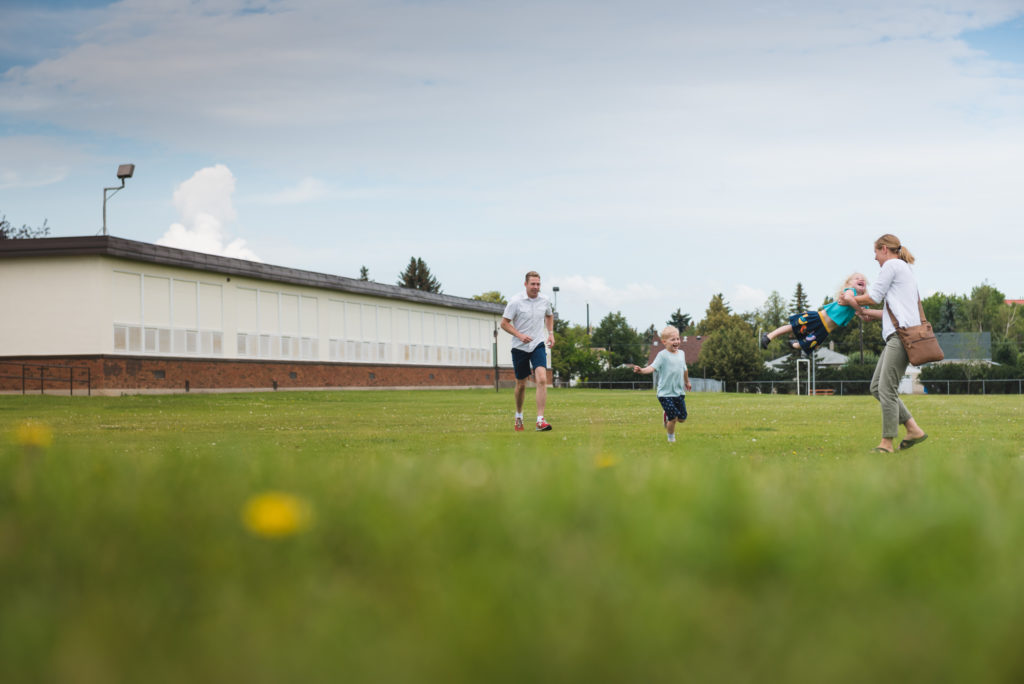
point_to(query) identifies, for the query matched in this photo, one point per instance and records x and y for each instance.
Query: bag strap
(920, 308)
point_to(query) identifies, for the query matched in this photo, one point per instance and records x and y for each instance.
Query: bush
(615, 378)
(971, 378)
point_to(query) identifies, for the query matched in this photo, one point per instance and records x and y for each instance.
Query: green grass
(768, 544)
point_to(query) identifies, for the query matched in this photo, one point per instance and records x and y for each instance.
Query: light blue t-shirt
(839, 313)
(668, 369)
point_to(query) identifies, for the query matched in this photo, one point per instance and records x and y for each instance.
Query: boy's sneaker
(543, 427)
(765, 341)
(519, 425)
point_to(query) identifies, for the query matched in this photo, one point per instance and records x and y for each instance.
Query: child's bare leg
(670, 426)
(781, 330)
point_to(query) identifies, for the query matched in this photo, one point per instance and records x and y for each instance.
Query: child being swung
(812, 328)
(673, 380)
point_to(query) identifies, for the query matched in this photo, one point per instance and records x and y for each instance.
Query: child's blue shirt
(668, 368)
(839, 313)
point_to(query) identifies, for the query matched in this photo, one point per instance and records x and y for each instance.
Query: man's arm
(549, 323)
(507, 326)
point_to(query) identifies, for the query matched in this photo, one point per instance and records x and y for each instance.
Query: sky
(642, 155)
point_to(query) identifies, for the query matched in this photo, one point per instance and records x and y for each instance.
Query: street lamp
(554, 289)
(123, 171)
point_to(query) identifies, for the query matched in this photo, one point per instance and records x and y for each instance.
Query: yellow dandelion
(605, 461)
(33, 435)
(276, 514)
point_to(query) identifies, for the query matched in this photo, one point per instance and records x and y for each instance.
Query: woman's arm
(848, 299)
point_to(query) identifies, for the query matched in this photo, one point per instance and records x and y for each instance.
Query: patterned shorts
(809, 330)
(675, 407)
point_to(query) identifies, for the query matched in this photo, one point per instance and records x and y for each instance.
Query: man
(527, 317)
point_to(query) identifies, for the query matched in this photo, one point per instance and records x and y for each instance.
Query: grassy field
(414, 537)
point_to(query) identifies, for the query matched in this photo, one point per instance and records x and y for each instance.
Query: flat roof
(120, 248)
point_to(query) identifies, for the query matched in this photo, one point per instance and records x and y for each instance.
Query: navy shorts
(675, 407)
(522, 360)
(809, 330)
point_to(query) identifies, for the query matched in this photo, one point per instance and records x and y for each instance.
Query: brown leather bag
(918, 340)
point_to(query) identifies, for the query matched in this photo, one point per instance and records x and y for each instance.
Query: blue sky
(641, 155)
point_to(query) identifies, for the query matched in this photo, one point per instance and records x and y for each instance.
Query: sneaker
(543, 427)
(519, 425)
(765, 341)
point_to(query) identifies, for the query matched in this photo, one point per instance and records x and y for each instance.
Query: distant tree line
(10, 232)
(730, 351)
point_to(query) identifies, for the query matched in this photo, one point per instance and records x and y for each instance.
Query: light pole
(123, 171)
(861, 341)
(554, 290)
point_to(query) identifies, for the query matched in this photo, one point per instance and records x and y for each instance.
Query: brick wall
(116, 374)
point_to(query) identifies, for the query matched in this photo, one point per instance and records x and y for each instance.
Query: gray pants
(885, 383)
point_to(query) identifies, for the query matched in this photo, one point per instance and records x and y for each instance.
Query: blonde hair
(667, 332)
(892, 243)
(846, 283)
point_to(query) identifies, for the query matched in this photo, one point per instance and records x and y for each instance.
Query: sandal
(880, 450)
(907, 443)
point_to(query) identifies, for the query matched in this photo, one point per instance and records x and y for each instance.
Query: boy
(673, 380)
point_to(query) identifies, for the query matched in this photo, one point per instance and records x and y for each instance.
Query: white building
(143, 317)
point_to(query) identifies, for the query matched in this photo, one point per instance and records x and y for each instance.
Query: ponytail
(892, 243)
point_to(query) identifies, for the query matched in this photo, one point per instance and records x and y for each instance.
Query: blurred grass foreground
(414, 537)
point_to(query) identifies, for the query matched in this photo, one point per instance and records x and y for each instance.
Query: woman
(897, 287)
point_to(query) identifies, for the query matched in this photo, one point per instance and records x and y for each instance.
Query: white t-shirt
(897, 287)
(527, 316)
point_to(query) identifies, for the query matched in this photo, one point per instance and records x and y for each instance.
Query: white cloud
(597, 291)
(766, 133)
(746, 298)
(307, 190)
(204, 202)
(33, 162)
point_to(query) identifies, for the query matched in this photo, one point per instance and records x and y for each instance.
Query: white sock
(519, 415)
(540, 419)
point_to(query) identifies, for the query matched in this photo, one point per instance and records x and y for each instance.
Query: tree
(730, 352)
(1005, 352)
(769, 317)
(682, 321)
(848, 339)
(364, 273)
(947, 316)
(773, 313)
(417, 276)
(982, 309)
(652, 333)
(9, 232)
(491, 296)
(1012, 323)
(572, 356)
(623, 343)
(799, 303)
(718, 313)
